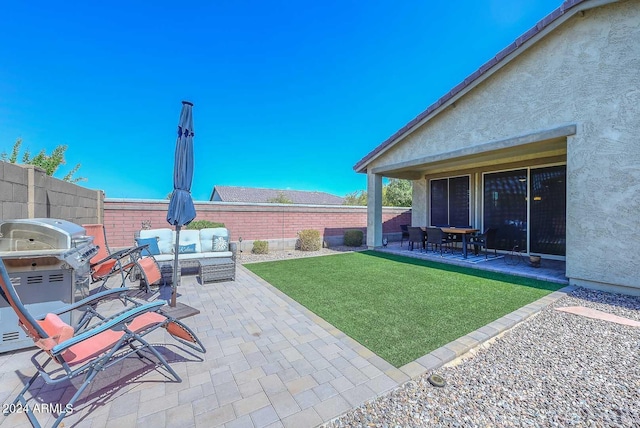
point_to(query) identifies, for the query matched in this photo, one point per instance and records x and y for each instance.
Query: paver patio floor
(549, 270)
(269, 363)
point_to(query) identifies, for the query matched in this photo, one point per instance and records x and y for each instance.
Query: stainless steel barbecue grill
(48, 262)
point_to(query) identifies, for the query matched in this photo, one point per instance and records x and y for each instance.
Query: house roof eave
(564, 12)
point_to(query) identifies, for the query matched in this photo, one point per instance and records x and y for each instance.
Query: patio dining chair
(95, 343)
(436, 238)
(404, 228)
(133, 263)
(416, 234)
(485, 240)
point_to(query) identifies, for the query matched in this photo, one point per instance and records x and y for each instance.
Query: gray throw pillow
(220, 243)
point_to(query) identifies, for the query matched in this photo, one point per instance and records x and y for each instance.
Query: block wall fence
(26, 191)
(270, 222)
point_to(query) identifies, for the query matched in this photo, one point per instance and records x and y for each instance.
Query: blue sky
(287, 94)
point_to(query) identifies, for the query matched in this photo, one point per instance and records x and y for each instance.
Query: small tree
(49, 163)
(398, 193)
(280, 199)
(358, 198)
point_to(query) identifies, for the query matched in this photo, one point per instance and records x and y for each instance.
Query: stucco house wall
(583, 74)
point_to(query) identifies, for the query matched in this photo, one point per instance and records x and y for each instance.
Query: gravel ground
(553, 370)
(249, 257)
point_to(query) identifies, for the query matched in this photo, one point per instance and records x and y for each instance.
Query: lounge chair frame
(125, 329)
(129, 263)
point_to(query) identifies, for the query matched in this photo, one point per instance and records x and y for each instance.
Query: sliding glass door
(528, 207)
(548, 210)
(505, 207)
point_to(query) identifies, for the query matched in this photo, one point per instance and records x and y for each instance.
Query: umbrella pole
(176, 266)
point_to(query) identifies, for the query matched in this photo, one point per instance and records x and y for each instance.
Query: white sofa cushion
(217, 254)
(189, 256)
(203, 240)
(164, 257)
(165, 238)
(188, 237)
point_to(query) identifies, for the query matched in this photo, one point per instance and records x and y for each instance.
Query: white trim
(559, 132)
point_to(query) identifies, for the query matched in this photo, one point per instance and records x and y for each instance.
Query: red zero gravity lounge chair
(94, 344)
(106, 264)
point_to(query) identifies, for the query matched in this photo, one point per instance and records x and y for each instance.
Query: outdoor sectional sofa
(207, 250)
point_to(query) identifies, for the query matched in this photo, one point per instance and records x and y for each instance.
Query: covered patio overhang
(540, 147)
(537, 146)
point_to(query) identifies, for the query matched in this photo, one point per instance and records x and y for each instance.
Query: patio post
(419, 215)
(374, 210)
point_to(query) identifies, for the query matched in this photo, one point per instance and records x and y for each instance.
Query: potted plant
(535, 260)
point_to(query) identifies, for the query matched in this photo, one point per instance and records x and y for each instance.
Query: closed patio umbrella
(181, 210)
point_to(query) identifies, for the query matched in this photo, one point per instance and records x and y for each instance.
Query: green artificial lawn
(398, 307)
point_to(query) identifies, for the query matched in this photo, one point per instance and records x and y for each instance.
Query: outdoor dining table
(460, 231)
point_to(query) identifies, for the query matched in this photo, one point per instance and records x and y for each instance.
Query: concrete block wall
(28, 192)
(13, 191)
(277, 223)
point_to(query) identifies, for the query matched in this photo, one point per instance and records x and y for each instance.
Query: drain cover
(436, 380)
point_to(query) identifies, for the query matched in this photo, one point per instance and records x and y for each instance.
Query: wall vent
(13, 335)
(56, 277)
(35, 279)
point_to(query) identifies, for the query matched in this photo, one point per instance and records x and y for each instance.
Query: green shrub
(309, 240)
(260, 247)
(353, 238)
(280, 199)
(203, 224)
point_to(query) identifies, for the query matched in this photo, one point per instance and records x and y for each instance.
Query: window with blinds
(450, 201)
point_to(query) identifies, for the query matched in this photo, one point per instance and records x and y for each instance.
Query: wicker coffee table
(216, 269)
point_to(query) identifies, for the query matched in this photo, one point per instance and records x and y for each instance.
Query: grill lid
(40, 234)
